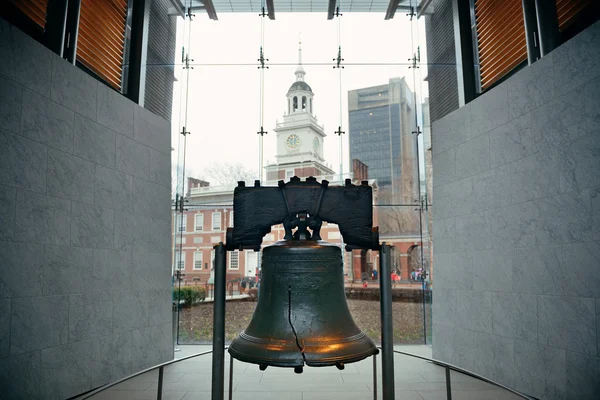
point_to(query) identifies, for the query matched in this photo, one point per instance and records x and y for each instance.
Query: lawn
(195, 323)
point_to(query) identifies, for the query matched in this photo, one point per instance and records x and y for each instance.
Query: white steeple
(300, 70)
(300, 95)
(299, 136)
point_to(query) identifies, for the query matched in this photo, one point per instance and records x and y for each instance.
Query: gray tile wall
(516, 228)
(84, 228)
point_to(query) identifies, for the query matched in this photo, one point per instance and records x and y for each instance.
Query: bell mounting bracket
(302, 204)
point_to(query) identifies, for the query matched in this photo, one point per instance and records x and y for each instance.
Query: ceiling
(215, 7)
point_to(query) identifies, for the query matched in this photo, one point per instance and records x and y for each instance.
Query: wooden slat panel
(34, 9)
(101, 41)
(567, 10)
(500, 38)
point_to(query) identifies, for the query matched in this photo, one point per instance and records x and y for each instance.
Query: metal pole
(160, 384)
(387, 324)
(448, 385)
(218, 360)
(375, 376)
(230, 377)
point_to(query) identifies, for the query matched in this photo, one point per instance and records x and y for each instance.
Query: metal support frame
(218, 359)
(391, 9)
(72, 31)
(448, 384)
(331, 9)
(531, 31)
(375, 376)
(464, 41)
(160, 383)
(230, 378)
(136, 81)
(547, 22)
(270, 9)
(387, 323)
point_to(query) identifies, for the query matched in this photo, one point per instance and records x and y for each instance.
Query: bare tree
(229, 174)
(397, 209)
(179, 180)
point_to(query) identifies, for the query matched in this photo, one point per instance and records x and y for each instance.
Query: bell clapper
(298, 370)
(340, 365)
(262, 367)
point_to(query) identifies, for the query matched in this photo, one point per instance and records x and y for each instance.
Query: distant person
(395, 279)
(243, 285)
(365, 284)
(374, 274)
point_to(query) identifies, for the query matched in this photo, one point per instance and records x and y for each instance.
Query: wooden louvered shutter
(567, 10)
(500, 38)
(101, 40)
(34, 9)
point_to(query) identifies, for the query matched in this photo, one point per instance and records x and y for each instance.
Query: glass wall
(301, 96)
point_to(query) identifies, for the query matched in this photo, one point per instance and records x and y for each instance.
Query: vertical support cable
(416, 65)
(261, 102)
(387, 322)
(218, 360)
(181, 151)
(339, 40)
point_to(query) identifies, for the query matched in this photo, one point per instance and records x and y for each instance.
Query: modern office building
(381, 125)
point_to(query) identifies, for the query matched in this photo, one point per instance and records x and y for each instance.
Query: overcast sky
(223, 106)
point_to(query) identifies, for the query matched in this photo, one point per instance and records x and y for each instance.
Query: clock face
(316, 144)
(293, 141)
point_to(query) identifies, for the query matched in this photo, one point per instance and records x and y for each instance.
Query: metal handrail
(160, 372)
(449, 367)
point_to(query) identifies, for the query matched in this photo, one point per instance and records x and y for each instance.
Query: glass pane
(225, 100)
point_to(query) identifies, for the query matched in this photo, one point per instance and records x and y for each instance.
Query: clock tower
(299, 136)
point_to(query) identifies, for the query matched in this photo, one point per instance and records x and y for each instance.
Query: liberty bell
(302, 317)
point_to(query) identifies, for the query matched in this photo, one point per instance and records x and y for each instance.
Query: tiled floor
(415, 380)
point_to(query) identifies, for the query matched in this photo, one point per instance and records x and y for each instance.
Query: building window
(216, 221)
(199, 222)
(180, 257)
(234, 260)
(231, 219)
(101, 39)
(215, 239)
(212, 259)
(295, 104)
(502, 49)
(198, 239)
(182, 223)
(289, 173)
(198, 260)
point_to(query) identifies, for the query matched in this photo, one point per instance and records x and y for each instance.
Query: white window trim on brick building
(197, 260)
(216, 221)
(180, 260)
(212, 259)
(199, 222)
(182, 223)
(231, 218)
(234, 257)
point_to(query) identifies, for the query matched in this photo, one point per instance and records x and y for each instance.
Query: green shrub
(188, 295)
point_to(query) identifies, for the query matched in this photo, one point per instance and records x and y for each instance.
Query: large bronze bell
(302, 316)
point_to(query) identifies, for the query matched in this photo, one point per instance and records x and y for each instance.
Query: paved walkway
(415, 380)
